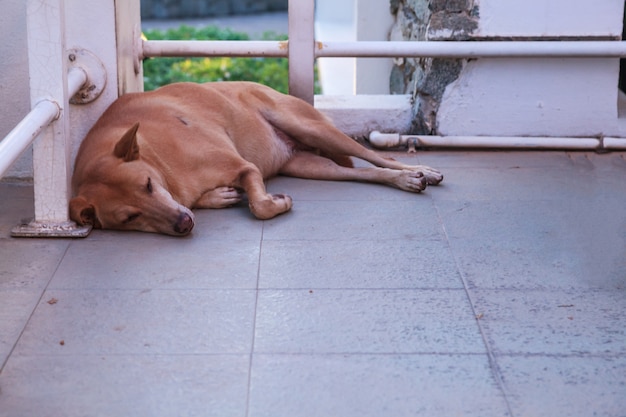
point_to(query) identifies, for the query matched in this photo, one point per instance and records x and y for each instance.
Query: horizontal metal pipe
(76, 78)
(372, 49)
(41, 115)
(388, 140)
(468, 49)
(215, 48)
(510, 142)
(18, 139)
(614, 144)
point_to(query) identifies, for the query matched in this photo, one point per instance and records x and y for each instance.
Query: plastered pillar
(48, 65)
(48, 79)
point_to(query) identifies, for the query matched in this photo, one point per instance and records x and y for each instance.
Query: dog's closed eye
(131, 218)
(149, 186)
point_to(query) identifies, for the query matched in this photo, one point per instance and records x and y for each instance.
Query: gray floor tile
(16, 306)
(538, 244)
(29, 263)
(140, 322)
(540, 265)
(597, 221)
(366, 321)
(373, 385)
(142, 261)
(452, 159)
(318, 220)
(513, 184)
(104, 386)
(311, 190)
(228, 224)
(16, 204)
(542, 386)
(360, 264)
(553, 322)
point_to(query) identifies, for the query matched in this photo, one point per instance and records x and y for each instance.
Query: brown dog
(154, 156)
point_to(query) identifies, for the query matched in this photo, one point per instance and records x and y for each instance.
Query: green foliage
(272, 72)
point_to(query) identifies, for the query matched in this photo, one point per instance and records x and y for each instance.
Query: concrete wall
(511, 97)
(177, 9)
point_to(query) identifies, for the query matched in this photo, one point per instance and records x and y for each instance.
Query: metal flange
(32, 228)
(96, 75)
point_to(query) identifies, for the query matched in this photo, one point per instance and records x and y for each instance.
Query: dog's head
(123, 191)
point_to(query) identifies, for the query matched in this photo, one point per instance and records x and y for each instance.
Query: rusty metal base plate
(68, 229)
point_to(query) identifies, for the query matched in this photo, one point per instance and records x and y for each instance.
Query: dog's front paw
(219, 197)
(270, 206)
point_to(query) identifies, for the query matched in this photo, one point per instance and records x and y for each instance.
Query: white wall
(538, 97)
(531, 97)
(550, 17)
(14, 81)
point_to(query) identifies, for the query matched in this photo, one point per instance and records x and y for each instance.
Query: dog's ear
(127, 147)
(83, 212)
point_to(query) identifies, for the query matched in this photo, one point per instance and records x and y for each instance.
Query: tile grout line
(256, 303)
(490, 354)
(30, 316)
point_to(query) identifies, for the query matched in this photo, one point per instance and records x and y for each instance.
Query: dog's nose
(184, 224)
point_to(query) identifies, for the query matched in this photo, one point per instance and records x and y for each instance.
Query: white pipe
(617, 144)
(387, 140)
(76, 78)
(42, 114)
(465, 49)
(214, 48)
(366, 49)
(26, 131)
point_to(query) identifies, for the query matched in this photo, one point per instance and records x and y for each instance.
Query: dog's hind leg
(308, 126)
(312, 166)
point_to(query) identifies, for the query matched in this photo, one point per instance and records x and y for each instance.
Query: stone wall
(425, 78)
(180, 9)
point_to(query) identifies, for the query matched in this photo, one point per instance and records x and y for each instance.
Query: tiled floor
(501, 292)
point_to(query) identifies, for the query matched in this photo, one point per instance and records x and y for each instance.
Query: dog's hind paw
(433, 177)
(408, 180)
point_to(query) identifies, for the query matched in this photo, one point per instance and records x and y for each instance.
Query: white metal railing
(391, 49)
(301, 67)
(43, 113)
(23, 135)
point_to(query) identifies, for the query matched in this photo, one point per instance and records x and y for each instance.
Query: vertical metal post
(48, 66)
(128, 37)
(302, 49)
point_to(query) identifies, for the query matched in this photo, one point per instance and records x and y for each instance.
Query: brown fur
(154, 156)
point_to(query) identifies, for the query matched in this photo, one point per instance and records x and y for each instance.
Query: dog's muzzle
(183, 224)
